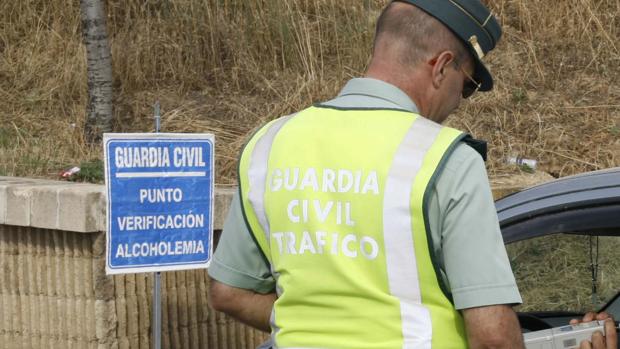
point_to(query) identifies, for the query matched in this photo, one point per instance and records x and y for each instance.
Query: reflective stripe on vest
(410, 306)
(402, 267)
(257, 172)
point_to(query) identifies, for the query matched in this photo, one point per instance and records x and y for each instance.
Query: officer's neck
(412, 81)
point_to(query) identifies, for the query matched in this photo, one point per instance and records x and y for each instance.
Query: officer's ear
(439, 64)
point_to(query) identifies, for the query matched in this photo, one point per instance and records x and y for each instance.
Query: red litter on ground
(70, 172)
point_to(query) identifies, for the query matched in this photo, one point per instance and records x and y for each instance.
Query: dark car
(563, 241)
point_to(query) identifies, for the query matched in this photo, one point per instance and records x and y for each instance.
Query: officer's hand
(598, 341)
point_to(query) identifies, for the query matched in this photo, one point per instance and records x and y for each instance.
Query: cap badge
(473, 40)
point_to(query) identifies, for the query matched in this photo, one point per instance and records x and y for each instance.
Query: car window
(554, 274)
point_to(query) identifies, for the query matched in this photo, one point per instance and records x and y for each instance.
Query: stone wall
(54, 292)
(49, 289)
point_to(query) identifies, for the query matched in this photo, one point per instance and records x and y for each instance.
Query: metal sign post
(157, 275)
(157, 311)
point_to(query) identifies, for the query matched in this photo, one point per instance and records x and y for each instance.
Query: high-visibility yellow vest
(336, 201)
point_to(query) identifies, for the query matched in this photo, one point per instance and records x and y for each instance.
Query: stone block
(44, 206)
(18, 200)
(5, 184)
(105, 314)
(3, 190)
(99, 245)
(39, 203)
(77, 210)
(99, 210)
(104, 284)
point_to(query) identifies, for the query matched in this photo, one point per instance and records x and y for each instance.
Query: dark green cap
(471, 22)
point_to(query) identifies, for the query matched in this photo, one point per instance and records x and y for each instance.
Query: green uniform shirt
(462, 219)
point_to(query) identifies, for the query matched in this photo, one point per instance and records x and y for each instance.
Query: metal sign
(160, 201)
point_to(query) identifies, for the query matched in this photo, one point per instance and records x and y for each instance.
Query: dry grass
(553, 272)
(217, 66)
(558, 93)
(226, 66)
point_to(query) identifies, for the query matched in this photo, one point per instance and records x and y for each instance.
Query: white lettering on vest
(345, 181)
(320, 212)
(290, 243)
(347, 210)
(306, 244)
(329, 176)
(291, 183)
(345, 245)
(304, 210)
(320, 242)
(324, 180)
(374, 247)
(276, 180)
(278, 237)
(358, 178)
(289, 210)
(334, 250)
(371, 184)
(310, 180)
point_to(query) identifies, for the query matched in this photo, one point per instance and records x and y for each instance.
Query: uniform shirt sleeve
(471, 248)
(237, 261)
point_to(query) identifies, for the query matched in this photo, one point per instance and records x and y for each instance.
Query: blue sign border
(109, 139)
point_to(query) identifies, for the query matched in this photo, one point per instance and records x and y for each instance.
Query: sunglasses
(470, 86)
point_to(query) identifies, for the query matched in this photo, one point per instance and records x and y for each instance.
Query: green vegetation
(526, 168)
(519, 96)
(90, 171)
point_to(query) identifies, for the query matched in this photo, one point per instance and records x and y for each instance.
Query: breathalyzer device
(564, 337)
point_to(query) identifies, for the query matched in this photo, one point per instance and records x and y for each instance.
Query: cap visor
(483, 76)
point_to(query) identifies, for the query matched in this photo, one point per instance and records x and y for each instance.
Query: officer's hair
(416, 34)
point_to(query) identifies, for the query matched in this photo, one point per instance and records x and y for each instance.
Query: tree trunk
(99, 67)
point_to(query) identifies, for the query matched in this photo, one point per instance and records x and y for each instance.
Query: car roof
(587, 203)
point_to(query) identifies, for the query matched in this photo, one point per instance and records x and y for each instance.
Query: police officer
(361, 222)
